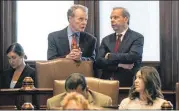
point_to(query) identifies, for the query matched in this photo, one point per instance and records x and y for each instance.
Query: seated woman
(145, 92)
(13, 77)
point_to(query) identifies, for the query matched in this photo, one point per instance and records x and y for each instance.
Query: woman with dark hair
(145, 92)
(13, 77)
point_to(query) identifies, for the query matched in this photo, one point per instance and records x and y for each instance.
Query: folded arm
(115, 59)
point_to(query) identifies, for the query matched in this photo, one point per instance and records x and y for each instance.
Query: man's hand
(106, 56)
(126, 66)
(75, 54)
(70, 55)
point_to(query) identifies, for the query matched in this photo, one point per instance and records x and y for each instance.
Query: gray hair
(74, 7)
(125, 13)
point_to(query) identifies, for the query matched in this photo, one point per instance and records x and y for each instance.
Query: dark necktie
(118, 42)
(74, 42)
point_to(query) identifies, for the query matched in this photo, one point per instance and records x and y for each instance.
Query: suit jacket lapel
(22, 76)
(64, 44)
(9, 76)
(112, 42)
(125, 39)
(90, 97)
(83, 42)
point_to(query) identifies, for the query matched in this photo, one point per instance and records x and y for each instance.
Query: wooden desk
(37, 96)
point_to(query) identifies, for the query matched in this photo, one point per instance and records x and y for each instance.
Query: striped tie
(74, 42)
(118, 42)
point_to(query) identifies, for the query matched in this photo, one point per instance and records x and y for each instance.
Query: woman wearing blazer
(14, 76)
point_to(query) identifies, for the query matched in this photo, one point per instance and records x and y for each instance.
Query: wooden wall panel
(169, 38)
(169, 35)
(8, 30)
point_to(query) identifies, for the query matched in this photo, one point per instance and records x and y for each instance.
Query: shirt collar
(70, 32)
(123, 33)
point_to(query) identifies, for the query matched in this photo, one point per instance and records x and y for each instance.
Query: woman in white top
(14, 76)
(145, 92)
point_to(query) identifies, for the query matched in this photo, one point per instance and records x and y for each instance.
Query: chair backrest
(60, 69)
(177, 96)
(107, 87)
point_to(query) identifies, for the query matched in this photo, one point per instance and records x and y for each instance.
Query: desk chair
(107, 87)
(60, 69)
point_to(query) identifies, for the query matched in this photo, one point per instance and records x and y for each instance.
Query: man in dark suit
(72, 42)
(120, 53)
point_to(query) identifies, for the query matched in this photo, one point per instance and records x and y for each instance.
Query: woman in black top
(13, 77)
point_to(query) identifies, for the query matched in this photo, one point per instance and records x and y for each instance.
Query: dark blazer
(8, 74)
(58, 45)
(130, 51)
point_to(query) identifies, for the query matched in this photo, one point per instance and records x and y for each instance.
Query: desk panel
(38, 97)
